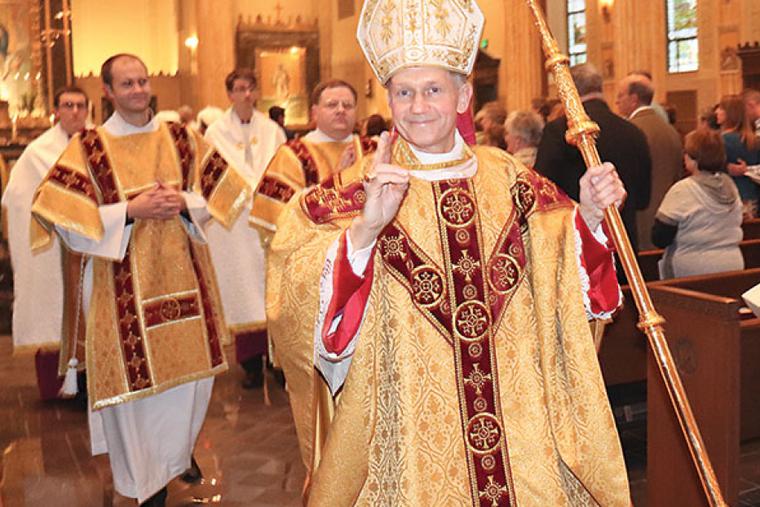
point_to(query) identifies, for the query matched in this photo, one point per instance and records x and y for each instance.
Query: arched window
(576, 31)
(683, 47)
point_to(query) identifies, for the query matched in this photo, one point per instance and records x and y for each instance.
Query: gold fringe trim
(248, 327)
(64, 221)
(228, 218)
(146, 393)
(32, 348)
(254, 221)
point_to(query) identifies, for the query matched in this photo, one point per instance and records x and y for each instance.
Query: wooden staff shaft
(582, 132)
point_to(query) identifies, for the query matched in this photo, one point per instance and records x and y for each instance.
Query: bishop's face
(130, 88)
(425, 102)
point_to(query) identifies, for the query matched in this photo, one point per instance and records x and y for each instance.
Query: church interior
(696, 52)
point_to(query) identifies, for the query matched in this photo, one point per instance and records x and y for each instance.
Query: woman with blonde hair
(742, 149)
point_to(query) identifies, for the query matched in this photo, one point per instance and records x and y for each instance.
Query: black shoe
(253, 380)
(157, 500)
(254, 372)
(193, 474)
(279, 377)
(80, 400)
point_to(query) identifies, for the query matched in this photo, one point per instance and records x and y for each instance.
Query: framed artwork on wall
(283, 82)
(284, 56)
(18, 72)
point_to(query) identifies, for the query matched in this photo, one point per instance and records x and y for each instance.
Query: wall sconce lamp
(606, 6)
(192, 42)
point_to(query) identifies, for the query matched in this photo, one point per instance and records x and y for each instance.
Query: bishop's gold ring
(368, 178)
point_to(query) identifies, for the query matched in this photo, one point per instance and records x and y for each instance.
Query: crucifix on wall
(278, 10)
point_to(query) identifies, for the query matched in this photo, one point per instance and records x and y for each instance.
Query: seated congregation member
(449, 303)
(699, 220)
(523, 130)
(742, 149)
(752, 107)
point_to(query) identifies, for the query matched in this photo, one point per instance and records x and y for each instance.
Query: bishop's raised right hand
(386, 185)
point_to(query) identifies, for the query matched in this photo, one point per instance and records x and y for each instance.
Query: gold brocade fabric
(155, 319)
(395, 34)
(290, 171)
(397, 437)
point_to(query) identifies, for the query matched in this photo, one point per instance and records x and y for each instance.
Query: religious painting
(285, 58)
(18, 77)
(282, 74)
(729, 60)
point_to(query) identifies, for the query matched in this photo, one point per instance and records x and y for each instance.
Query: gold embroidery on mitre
(401, 33)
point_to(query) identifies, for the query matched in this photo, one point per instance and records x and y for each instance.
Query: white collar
(60, 133)
(317, 136)
(118, 126)
(456, 152)
(465, 170)
(638, 110)
(236, 119)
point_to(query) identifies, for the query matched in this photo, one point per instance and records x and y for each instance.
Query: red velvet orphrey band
(477, 291)
(167, 310)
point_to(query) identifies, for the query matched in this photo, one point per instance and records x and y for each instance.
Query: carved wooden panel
(750, 56)
(485, 79)
(685, 103)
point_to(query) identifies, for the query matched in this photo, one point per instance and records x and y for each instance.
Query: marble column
(522, 62)
(215, 53)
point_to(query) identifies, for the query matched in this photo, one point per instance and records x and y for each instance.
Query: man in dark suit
(634, 101)
(619, 142)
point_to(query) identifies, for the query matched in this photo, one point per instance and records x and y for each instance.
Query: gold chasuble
(474, 380)
(154, 320)
(298, 164)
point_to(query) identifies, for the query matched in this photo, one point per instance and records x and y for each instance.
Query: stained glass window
(576, 31)
(683, 46)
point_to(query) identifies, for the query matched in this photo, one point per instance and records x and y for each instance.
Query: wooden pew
(623, 354)
(648, 258)
(751, 229)
(716, 350)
